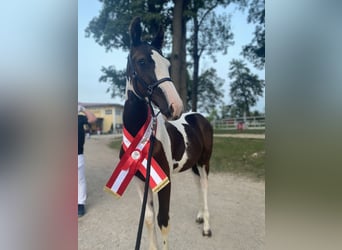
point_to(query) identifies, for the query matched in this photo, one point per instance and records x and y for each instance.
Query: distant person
(83, 119)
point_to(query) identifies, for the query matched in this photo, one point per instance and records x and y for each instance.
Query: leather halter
(149, 87)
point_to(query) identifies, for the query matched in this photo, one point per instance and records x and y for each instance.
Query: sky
(91, 57)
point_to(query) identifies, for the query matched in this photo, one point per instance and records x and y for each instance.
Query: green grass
(239, 155)
(116, 144)
(235, 155)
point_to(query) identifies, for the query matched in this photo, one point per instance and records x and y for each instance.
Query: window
(118, 112)
(108, 111)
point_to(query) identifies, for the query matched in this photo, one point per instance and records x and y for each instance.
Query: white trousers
(82, 186)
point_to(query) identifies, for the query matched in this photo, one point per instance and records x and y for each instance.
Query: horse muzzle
(174, 105)
(176, 110)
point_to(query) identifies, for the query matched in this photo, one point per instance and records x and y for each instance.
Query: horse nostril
(173, 112)
(171, 109)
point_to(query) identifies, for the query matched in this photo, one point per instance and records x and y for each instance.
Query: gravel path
(252, 136)
(236, 205)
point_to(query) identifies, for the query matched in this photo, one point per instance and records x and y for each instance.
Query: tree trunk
(195, 57)
(178, 56)
(184, 72)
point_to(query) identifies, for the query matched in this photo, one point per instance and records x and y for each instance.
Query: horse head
(148, 75)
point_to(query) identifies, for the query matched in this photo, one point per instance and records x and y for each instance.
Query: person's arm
(90, 116)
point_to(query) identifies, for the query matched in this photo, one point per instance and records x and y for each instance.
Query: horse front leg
(163, 214)
(149, 215)
(203, 215)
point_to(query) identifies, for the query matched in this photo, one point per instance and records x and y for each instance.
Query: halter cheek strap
(149, 87)
(152, 86)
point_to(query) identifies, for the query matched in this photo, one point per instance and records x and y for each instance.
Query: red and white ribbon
(135, 159)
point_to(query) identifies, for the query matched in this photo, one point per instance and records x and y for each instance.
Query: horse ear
(135, 31)
(158, 39)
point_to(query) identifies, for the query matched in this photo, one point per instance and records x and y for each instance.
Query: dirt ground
(236, 205)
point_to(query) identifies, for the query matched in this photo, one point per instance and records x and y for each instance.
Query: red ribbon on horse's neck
(135, 159)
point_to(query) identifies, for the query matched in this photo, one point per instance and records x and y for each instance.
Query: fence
(252, 122)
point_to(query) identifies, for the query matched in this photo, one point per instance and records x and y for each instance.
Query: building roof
(99, 105)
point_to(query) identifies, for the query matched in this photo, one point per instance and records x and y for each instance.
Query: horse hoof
(199, 220)
(206, 233)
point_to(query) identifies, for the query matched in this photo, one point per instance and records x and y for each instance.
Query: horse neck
(134, 114)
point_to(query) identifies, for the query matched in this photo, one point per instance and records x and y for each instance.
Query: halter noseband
(149, 87)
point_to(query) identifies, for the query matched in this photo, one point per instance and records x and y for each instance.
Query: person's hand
(81, 108)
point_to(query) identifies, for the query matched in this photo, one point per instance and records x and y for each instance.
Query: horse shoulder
(163, 139)
(184, 142)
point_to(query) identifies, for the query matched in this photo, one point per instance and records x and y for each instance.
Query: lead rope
(147, 179)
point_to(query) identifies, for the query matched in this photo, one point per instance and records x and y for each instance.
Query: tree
(255, 51)
(210, 33)
(178, 56)
(256, 113)
(245, 86)
(235, 111)
(210, 92)
(110, 27)
(213, 116)
(225, 111)
(111, 75)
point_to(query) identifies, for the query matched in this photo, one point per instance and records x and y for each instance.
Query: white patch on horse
(164, 138)
(205, 212)
(179, 125)
(165, 232)
(129, 86)
(162, 71)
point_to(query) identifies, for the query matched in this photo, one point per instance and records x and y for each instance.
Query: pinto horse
(183, 141)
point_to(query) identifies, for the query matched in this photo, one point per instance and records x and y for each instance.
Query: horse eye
(141, 62)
